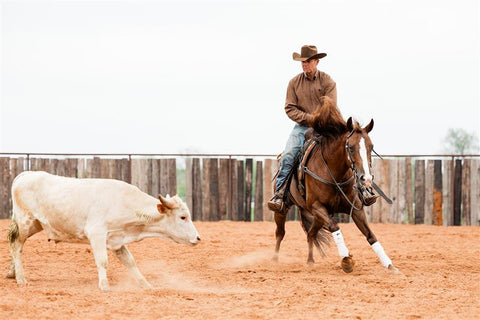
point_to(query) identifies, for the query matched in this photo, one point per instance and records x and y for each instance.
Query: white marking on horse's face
(366, 168)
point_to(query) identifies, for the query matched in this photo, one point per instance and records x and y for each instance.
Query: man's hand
(310, 118)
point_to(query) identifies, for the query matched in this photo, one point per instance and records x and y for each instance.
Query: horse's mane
(327, 119)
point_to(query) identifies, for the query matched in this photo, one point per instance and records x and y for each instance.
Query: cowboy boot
(277, 204)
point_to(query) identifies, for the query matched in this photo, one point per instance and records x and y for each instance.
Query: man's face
(310, 66)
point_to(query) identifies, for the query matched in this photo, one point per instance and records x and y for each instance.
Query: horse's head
(359, 149)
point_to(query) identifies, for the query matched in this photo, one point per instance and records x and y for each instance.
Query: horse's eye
(183, 218)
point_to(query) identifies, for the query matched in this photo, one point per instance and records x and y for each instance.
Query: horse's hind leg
(347, 261)
(316, 235)
(360, 220)
(279, 232)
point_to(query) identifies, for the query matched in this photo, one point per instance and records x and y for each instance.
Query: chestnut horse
(336, 176)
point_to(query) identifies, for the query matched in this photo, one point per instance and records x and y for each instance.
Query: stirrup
(367, 196)
(276, 204)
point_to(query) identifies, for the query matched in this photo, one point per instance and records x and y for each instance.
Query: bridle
(335, 184)
(358, 186)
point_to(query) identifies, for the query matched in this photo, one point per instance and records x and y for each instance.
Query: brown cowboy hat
(307, 53)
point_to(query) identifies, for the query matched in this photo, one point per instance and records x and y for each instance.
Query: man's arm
(294, 111)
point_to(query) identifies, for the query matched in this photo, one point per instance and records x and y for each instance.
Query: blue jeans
(291, 153)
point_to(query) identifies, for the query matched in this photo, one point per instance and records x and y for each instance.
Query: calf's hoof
(391, 268)
(144, 284)
(103, 285)
(347, 264)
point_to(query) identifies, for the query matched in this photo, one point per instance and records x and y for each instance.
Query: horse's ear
(369, 126)
(350, 124)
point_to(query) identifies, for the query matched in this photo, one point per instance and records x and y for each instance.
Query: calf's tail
(13, 232)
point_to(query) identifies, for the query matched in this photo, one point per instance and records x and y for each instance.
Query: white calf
(106, 213)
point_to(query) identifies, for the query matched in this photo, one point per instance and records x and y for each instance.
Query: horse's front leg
(347, 261)
(279, 232)
(360, 220)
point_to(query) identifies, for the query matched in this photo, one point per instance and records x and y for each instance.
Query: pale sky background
(211, 76)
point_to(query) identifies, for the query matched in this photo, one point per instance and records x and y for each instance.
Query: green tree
(459, 141)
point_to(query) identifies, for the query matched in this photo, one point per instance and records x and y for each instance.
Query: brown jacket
(303, 95)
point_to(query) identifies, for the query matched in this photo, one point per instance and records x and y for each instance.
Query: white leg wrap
(377, 247)
(342, 248)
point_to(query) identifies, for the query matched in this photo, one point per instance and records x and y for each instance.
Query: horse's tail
(322, 239)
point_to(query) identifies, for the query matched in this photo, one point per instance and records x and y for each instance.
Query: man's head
(309, 58)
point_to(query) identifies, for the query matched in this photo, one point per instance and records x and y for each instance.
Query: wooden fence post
(248, 189)
(401, 193)
(270, 168)
(475, 192)
(394, 185)
(447, 193)
(156, 177)
(419, 191)
(196, 190)
(241, 189)
(224, 188)
(437, 193)
(258, 210)
(4, 187)
(429, 192)
(206, 212)
(189, 185)
(457, 193)
(234, 214)
(376, 213)
(385, 185)
(214, 191)
(409, 189)
(466, 183)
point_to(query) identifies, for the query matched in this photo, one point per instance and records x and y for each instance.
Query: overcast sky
(211, 76)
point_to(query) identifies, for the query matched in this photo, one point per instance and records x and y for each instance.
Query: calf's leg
(127, 259)
(17, 235)
(98, 241)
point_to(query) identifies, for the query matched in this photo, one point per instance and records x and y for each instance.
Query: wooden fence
(439, 191)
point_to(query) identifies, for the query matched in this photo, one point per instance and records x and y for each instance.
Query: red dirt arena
(231, 275)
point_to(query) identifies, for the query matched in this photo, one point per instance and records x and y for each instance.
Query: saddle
(305, 154)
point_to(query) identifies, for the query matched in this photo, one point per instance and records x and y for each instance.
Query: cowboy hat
(307, 53)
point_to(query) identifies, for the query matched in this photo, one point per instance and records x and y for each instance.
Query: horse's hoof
(347, 264)
(275, 258)
(391, 268)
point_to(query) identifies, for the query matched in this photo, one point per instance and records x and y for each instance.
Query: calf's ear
(161, 208)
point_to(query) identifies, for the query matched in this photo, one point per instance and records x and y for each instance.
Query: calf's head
(177, 220)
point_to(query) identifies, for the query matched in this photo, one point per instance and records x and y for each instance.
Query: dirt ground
(231, 275)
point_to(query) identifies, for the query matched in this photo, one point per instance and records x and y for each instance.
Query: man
(303, 96)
